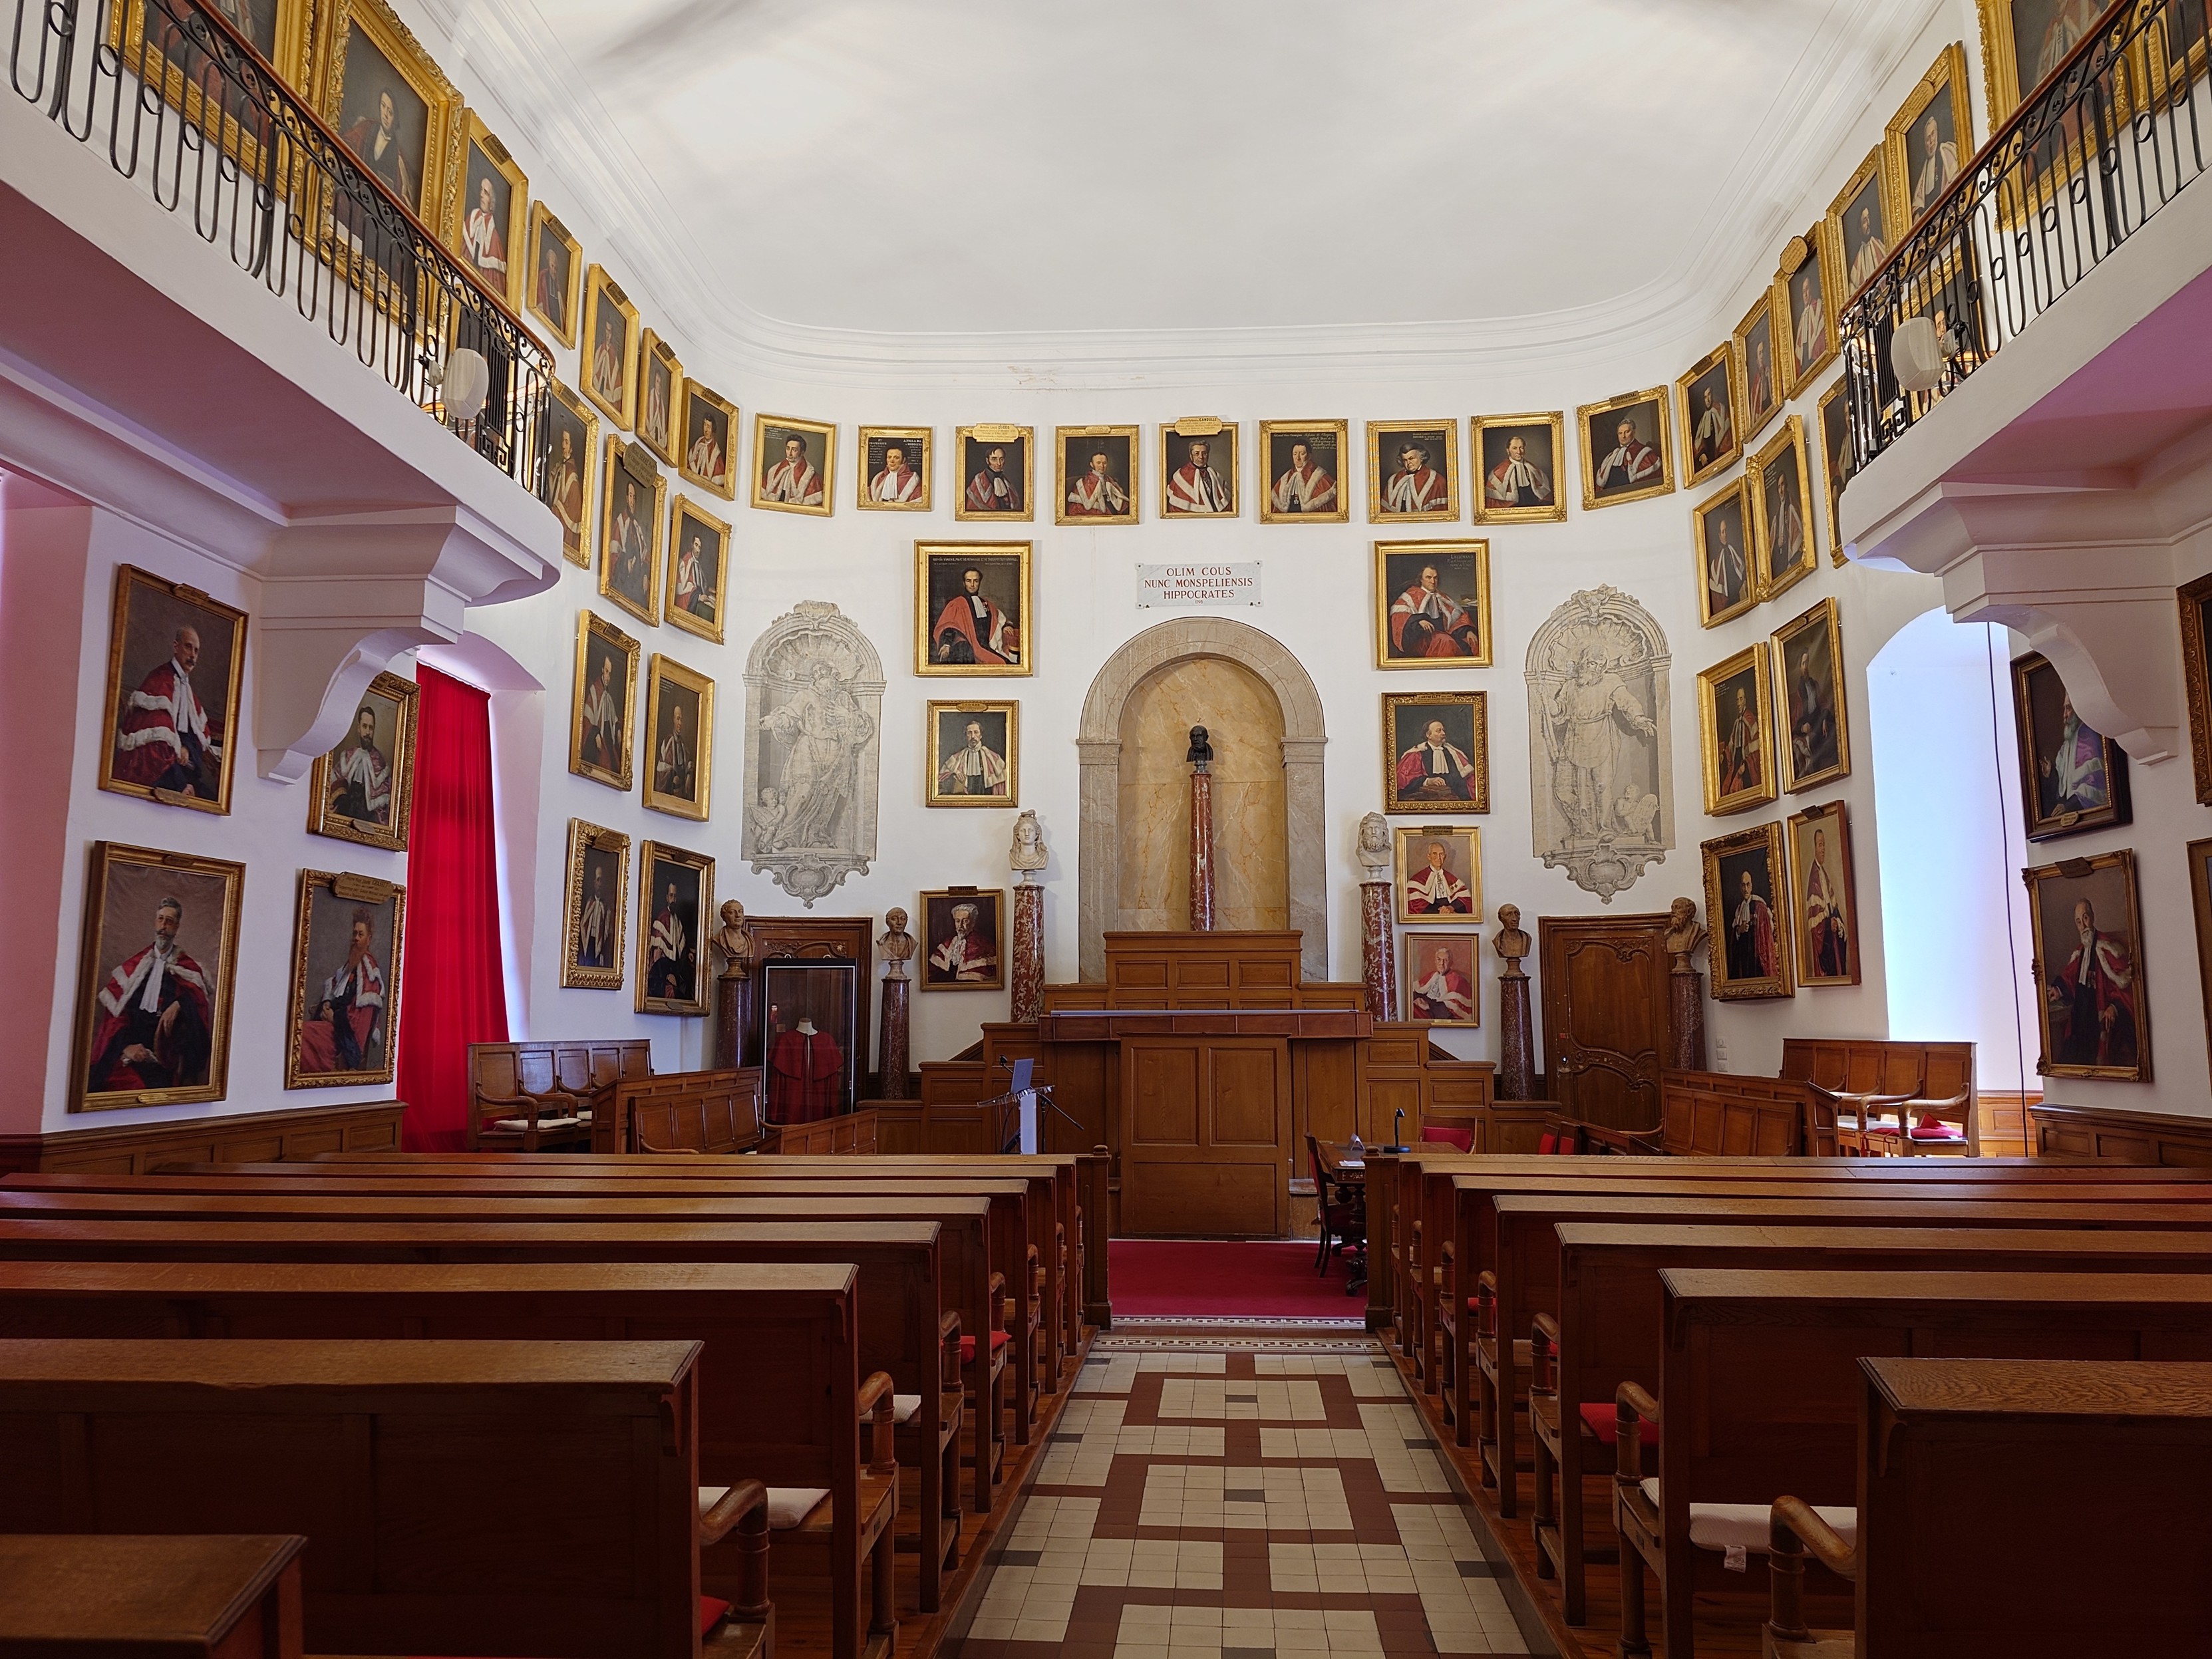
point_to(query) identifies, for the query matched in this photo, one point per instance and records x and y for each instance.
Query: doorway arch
(1099, 749)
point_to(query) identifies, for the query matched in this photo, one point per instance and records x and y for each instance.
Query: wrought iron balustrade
(188, 111)
(2110, 137)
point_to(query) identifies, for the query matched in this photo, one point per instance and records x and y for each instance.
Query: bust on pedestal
(1028, 856)
(1517, 1069)
(897, 946)
(1684, 933)
(1200, 758)
(733, 988)
(1378, 943)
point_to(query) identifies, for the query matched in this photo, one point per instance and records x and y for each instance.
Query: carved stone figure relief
(1601, 770)
(814, 696)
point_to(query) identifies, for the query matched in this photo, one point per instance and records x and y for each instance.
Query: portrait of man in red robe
(2092, 999)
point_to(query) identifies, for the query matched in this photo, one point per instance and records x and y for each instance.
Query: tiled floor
(1241, 1500)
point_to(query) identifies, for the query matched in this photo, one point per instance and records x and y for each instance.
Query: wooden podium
(1201, 1060)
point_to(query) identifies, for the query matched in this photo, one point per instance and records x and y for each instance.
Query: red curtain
(455, 991)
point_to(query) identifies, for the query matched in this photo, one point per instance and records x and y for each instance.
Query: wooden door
(1607, 1029)
(1206, 1126)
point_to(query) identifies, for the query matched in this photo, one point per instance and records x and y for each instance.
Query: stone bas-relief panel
(1601, 770)
(814, 700)
(1245, 725)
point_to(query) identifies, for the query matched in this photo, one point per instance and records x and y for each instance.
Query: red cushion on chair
(998, 1339)
(710, 1613)
(1462, 1139)
(1933, 1128)
(1549, 1142)
(1602, 1424)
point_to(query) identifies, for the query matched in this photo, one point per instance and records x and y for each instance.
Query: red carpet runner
(1198, 1279)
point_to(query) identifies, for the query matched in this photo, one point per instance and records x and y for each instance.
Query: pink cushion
(1602, 1424)
(1462, 1139)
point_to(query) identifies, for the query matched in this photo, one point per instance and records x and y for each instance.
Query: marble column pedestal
(1201, 851)
(892, 1067)
(1378, 949)
(1029, 953)
(733, 1003)
(1516, 1064)
(1689, 1020)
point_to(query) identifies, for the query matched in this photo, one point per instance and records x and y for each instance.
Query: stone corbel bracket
(342, 595)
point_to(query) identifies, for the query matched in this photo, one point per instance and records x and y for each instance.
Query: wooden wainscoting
(246, 1138)
(2077, 1133)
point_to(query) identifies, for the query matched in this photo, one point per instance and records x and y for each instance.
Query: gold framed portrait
(348, 945)
(2024, 42)
(633, 508)
(1412, 472)
(794, 466)
(364, 789)
(2072, 777)
(2200, 906)
(490, 215)
(2195, 600)
(556, 269)
(1432, 604)
(1805, 307)
(1302, 472)
(698, 569)
(390, 105)
(659, 395)
(1736, 728)
(1728, 579)
(279, 30)
(1864, 224)
(1930, 137)
(1436, 751)
(1809, 658)
(971, 609)
(897, 467)
(995, 461)
(1835, 464)
(710, 434)
(1712, 424)
(964, 929)
(2093, 1002)
(605, 693)
(1763, 384)
(676, 898)
(1094, 475)
(679, 729)
(1826, 895)
(1439, 869)
(174, 657)
(573, 440)
(160, 927)
(1747, 908)
(1778, 492)
(594, 932)
(1198, 469)
(975, 754)
(1516, 460)
(1624, 452)
(610, 360)
(1441, 986)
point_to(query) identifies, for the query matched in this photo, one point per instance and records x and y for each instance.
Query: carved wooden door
(1206, 1126)
(1607, 1027)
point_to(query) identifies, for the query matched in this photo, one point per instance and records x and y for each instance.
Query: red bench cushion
(1599, 1415)
(998, 1339)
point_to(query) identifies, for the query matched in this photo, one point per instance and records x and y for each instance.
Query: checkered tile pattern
(1223, 1501)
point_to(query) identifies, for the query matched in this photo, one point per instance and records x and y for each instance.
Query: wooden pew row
(1485, 1396)
(1611, 1302)
(489, 1498)
(966, 1282)
(1067, 1221)
(89, 1597)
(1961, 1459)
(1759, 1398)
(896, 1265)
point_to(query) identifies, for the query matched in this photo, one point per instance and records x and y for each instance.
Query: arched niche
(1100, 748)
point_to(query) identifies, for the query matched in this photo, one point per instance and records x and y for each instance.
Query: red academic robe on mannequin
(802, 1077)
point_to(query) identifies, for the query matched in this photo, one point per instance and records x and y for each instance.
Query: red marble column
(892, 1067)
(733, 998)
(1201, 850)
(1029, 952)
(1517, 1065)
(1378, 949)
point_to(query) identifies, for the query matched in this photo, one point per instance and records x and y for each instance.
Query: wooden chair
(1340, 1204)
(90, 1597)
(544, 1097)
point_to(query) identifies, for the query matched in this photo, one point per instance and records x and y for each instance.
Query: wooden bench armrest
(1633, 1408)
(1486, 1303)
(948, 1349)
(1953, 1104)
(1543, 1344)
(746, 1498)
(876, 1396)
(1794, 1530)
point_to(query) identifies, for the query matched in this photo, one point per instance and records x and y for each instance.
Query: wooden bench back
(588, 1069)
(690, 1112)
(87, 1597)
(457, 1496)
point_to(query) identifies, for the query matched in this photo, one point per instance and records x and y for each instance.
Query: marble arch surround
(1098, 744)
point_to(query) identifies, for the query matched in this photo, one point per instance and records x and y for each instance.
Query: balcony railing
(191, 114)
(2111, 136)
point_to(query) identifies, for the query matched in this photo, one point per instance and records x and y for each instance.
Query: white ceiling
(1011, 167)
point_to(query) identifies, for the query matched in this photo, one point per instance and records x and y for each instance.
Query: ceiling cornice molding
(605, 188)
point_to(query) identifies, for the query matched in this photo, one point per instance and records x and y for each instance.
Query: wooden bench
(777, 1424)
(1759, 1396)
(693, 1113)
(532, 1096)
(1882, 1090)
(491, 1498)
(90, 1597)
(847, 1135)
(1960, 1459)
(1611, 1302)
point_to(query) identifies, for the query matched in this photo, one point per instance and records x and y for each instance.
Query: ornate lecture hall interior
(669, 1012)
